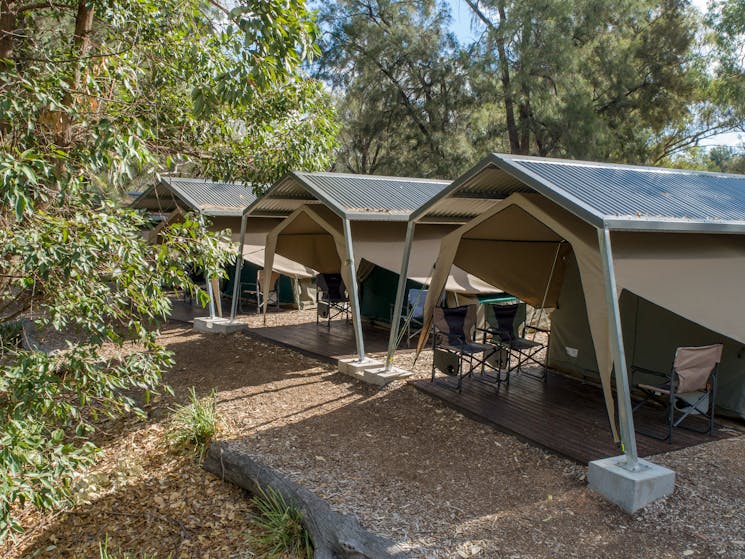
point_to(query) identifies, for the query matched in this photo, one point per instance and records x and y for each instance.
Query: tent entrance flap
(522, 254)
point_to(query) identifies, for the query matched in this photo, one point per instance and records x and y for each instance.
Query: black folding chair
(331, 298)
(689, 389)
(502, 328)
(454, 351)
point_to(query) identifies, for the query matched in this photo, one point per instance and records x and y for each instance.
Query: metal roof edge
(547, 188)
(311, 188)
(372, 177)
(448, 190)
(379, 216)
(142, 196)
(220, 213)
(248, 209)
(632, 224)
(625, 166)
(333, 205)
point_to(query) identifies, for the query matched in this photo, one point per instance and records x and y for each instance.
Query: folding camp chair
(454, 351)
(252, 291)
(502, 328)
(689, 389)
(331, 298)
(412, 314)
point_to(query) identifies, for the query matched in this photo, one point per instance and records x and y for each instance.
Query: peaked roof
(620, 197)
(357, 197)
(207, 197)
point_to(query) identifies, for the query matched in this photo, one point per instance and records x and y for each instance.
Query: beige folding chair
(690, 388)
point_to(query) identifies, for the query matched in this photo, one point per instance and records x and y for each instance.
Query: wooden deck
(326, 344)
(563, 415)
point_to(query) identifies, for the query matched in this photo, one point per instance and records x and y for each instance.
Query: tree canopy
(93, 95)
(634, 82)
(402, 87)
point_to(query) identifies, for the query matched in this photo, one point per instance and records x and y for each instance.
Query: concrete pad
(356, 368)
(380, 377)
(630, 490)
(208, 325)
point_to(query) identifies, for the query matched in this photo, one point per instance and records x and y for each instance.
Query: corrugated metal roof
(207, 197)
(367, 197)
(611, 195)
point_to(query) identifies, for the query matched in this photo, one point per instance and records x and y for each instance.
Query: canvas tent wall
(372, 210)
(676, 242)
(651, 335)
(224, 204)
(313, 235)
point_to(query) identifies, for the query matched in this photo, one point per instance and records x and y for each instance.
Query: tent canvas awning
(313, 236)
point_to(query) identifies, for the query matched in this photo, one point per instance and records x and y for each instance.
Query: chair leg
(460, 372)
(670, 416)
(434, 343)
(712, 399)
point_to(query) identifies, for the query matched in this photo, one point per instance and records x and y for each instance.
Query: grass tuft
(194, 425)
(279, 529)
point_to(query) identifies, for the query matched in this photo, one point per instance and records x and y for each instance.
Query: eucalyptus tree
(597, 80)
(401, 83)
(726, 22)
(93, 93)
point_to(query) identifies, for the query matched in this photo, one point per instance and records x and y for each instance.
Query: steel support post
(400, 291)
(354, 299)
(626, 419)
(212, 298)
(238, 269)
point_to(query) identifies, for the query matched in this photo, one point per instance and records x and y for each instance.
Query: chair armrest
(536, 329)
(636, 369)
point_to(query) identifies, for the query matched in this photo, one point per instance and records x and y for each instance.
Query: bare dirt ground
(407, 466)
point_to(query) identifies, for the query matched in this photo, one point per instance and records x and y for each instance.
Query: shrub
(194, 425)
(279, 528)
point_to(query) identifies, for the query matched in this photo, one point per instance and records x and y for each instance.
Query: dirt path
(407, 466)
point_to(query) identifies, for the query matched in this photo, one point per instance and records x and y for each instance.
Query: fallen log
(335, 535)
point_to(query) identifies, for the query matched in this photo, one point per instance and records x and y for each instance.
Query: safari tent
(634, 262)
(353, 225)
(223, 203)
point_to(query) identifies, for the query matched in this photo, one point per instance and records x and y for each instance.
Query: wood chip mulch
(407, 466)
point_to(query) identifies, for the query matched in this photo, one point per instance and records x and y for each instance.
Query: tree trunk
(504, 71)
(7, 28)
(335, 535)
(81, 44)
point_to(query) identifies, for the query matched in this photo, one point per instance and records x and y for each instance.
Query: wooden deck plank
(324, 343)
(563, 415)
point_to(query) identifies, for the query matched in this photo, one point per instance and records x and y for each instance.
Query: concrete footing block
(356, 368)
(630, 490)
(208, 325)
(380, 377)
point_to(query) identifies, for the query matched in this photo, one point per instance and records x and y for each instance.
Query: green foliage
(719, 158)
(726, 23)
(402, 87)
(194, 425)
(92, 96)
(279, 528)
(87, 272)
(629, 82)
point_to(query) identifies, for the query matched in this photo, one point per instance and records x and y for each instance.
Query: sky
(462, 20)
